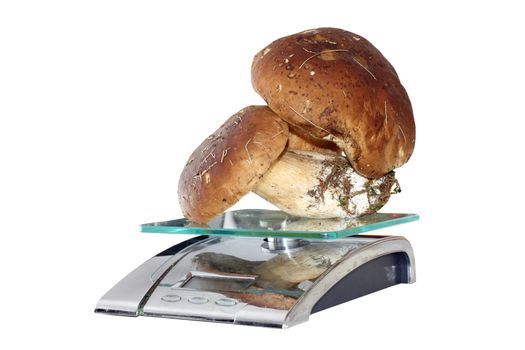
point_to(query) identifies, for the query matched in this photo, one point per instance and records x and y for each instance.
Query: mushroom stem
(315, 185)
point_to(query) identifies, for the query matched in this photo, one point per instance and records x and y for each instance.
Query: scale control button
(226, 302)
(171, 298)
(198, 300)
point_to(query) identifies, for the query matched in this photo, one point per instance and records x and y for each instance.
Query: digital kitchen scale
(263, 268)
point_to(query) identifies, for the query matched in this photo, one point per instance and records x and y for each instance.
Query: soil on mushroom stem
(336, 178)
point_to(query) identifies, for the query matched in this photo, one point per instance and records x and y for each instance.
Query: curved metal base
(197, 279)
(356, 269)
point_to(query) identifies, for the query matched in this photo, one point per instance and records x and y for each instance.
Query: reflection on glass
(276, 282)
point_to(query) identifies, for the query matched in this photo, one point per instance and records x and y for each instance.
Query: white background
(102, 102)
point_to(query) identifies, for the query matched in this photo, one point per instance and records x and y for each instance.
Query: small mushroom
(230, 162)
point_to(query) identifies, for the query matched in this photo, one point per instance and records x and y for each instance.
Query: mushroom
(335, 85)
(299, 139)
(317, 185)
(338, 122)
(246, 154)
(229, 163)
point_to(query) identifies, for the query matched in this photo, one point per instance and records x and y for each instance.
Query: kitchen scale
(263, 268)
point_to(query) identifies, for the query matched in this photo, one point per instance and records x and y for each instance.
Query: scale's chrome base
(261, 282)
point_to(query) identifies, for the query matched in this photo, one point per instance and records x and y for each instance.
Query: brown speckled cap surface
(229, 163)
(301, 140)
(335, 85)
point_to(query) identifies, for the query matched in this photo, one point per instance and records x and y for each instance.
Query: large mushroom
(335, 85)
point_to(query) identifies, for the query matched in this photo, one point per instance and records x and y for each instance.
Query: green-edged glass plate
(275, 223)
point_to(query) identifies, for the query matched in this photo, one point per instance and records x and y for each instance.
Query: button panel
(187, 303)
(199, 300)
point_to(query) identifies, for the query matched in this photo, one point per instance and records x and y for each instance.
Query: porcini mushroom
(335, 85)
(229, 163)
(300, 140)
(317, 185)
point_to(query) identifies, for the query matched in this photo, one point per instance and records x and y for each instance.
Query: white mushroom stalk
(315, 185)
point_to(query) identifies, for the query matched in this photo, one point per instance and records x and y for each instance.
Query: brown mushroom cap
(337, 86)
(230, 162)
(299, 139)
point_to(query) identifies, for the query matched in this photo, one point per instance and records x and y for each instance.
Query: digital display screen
(218, 284)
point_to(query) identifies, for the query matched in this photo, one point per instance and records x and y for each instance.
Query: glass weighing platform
(263, 268)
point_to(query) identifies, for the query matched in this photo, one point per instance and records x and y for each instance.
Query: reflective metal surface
(356, 258)
(274, 244)
(127, 296)
(237, 280)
